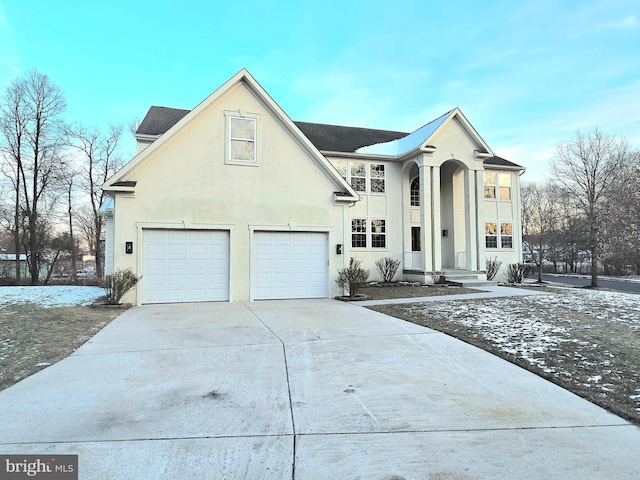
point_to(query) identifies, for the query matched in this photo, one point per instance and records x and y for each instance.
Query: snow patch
(50, 296)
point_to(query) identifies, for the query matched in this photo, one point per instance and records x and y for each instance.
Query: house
(234, 201)
(8, 265)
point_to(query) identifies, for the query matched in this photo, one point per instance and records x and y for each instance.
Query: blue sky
(527, 74)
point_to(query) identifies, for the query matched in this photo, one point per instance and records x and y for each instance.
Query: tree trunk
(16, 236)
(74, 251)
(98, 247)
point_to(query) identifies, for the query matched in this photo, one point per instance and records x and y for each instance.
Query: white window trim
(496, 186)
(367, 175)
(240, 114)
(499, 236)
(368, 234)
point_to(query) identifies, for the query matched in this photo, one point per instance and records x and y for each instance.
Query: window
(242, 139)
(489, 185)
(491, 235)
(415, 239)
(415, 192)
(506, 235)
(503, 237)
(505, 186)
(359, 232)
(497, 184)
(378, 234)
(341, 167)
(377, 178)
(358, 177)
(373, 237)
(363, 177)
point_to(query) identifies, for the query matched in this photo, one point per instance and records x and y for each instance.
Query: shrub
(493, 265)
(387, 268)
(439, 278)
(352, 277)
(516, 272)
(117, 284)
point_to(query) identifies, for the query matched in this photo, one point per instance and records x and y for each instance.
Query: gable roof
(421, 137)
(161, 118)
(343, 139)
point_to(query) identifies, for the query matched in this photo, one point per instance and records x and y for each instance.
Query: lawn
(42, 325)
(587, 341)
(397, 290)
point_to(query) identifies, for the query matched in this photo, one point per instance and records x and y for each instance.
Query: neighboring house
(234, 201)
(8, 265)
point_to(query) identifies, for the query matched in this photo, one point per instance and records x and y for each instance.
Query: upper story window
(377, 178)
(358, 177)
(242, 134)
(497, 185)
(341, 167)
(363, 177)
(414, 192)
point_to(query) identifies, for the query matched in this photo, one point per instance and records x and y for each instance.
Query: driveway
(309, 389)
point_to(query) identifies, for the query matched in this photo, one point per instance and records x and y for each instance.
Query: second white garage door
(290, 265)
(185, 266)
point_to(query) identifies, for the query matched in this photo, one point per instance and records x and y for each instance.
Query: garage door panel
(185, 266)
(290, 265)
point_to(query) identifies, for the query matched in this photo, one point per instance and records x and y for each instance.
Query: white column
(426, 246)
(436, 213)
(482, 261)
(470, 212)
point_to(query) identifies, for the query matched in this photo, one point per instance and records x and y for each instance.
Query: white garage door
(290, 265)
(185, 266)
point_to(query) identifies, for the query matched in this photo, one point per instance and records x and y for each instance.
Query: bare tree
(30, 124)
(621, 225)
(587, 167)
(540, 215)
(100, 160)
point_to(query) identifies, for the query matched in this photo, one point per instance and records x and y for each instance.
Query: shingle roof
(160, 119)
(334, 138)
(501, 162)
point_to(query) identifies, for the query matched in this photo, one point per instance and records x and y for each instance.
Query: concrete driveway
(310, 389)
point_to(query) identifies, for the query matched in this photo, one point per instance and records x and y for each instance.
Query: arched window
(415, 192)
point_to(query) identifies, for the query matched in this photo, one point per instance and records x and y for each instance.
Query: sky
(527, 74)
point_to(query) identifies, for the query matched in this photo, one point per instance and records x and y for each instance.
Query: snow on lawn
(588, 337)
(50, 295)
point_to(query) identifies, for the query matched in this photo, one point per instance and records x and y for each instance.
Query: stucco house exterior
(234, 201)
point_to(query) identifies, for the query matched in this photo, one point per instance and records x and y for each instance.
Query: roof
(162, 123)
(410, 141)
(160, 119)
(337, 138)
(333, 138)
(500, 162)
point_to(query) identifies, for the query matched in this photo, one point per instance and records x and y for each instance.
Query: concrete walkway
(313, 389)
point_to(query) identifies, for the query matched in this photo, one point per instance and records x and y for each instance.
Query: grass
(383, 291)
(33, 337)
(586, 341)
